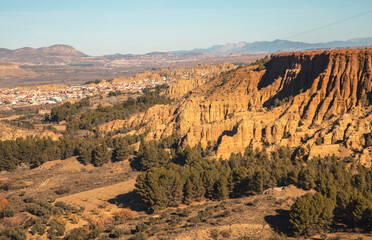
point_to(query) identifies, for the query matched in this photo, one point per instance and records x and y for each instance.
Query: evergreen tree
(311, 214)
(221, 190)
(100, 155)
(121, 151)
(150, 156)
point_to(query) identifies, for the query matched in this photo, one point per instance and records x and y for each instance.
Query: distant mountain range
(275, 46)
(64, 64)
(58, 55)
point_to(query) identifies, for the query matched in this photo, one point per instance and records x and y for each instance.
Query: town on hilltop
(40, 95)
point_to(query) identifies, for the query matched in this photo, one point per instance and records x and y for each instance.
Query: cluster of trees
(79, 116)
(183, 176)
(20, 124)
(68, 111)
(344, 197)
(96, 151)
(262, 63)
(35, 151)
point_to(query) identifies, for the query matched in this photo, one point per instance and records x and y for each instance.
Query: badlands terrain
(314, 101)
(279, 148)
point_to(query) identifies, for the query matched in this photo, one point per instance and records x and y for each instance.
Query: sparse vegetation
(262, 63)
(365, 99)
(279, 102)
(319, 141)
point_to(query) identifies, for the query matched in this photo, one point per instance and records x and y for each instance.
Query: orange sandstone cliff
(307, 100)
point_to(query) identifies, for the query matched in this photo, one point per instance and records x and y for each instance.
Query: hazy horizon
(98, 28)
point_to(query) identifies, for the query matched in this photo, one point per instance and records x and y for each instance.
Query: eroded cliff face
(8, 132)
(301, 99)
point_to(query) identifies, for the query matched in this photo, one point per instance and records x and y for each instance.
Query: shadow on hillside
(129, 200)
(300, 81)
(279, 222)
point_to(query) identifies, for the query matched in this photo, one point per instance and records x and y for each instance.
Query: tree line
(33, 152)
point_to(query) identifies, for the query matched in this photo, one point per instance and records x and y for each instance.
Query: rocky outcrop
(8, 132)
(301, 99)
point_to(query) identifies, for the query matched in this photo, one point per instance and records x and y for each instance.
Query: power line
(329, 24)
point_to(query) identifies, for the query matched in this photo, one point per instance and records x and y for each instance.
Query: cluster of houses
(25, 96)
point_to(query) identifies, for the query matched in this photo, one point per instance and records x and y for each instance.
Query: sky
(99, 27)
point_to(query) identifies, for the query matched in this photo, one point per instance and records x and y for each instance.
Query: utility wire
(329, 24)
(314, 29)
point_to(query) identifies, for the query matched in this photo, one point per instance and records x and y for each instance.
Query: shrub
(56, 228)
(226, 213)
(141, 227)
(195, 220)
(123, 215)
(38, 228)
(225, 233)
(364, 101)
(7, 212)
(214, 233)
(185, 212)
(117, 232)
(62, 190)
(67, 207)
(319, 141)
(77, 234)
(140, 236)
(15, 233)
(29, 199)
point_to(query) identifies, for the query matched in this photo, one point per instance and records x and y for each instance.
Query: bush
(67, 207)
(117, 232)
(141, 227)
(140, 236)
(62, 190)
(225, 233)
(55, 228)
(29, 199)
(38, 228)
(319, 141)
(226, 213)
(185, 212)
(214, 233)
(43, 209)
(7, 212)
(15, 233)
(77, 234)
(123, 215)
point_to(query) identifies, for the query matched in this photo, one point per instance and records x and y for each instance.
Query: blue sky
(120, 26)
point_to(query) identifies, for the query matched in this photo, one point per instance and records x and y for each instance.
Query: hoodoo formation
(316, 100)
